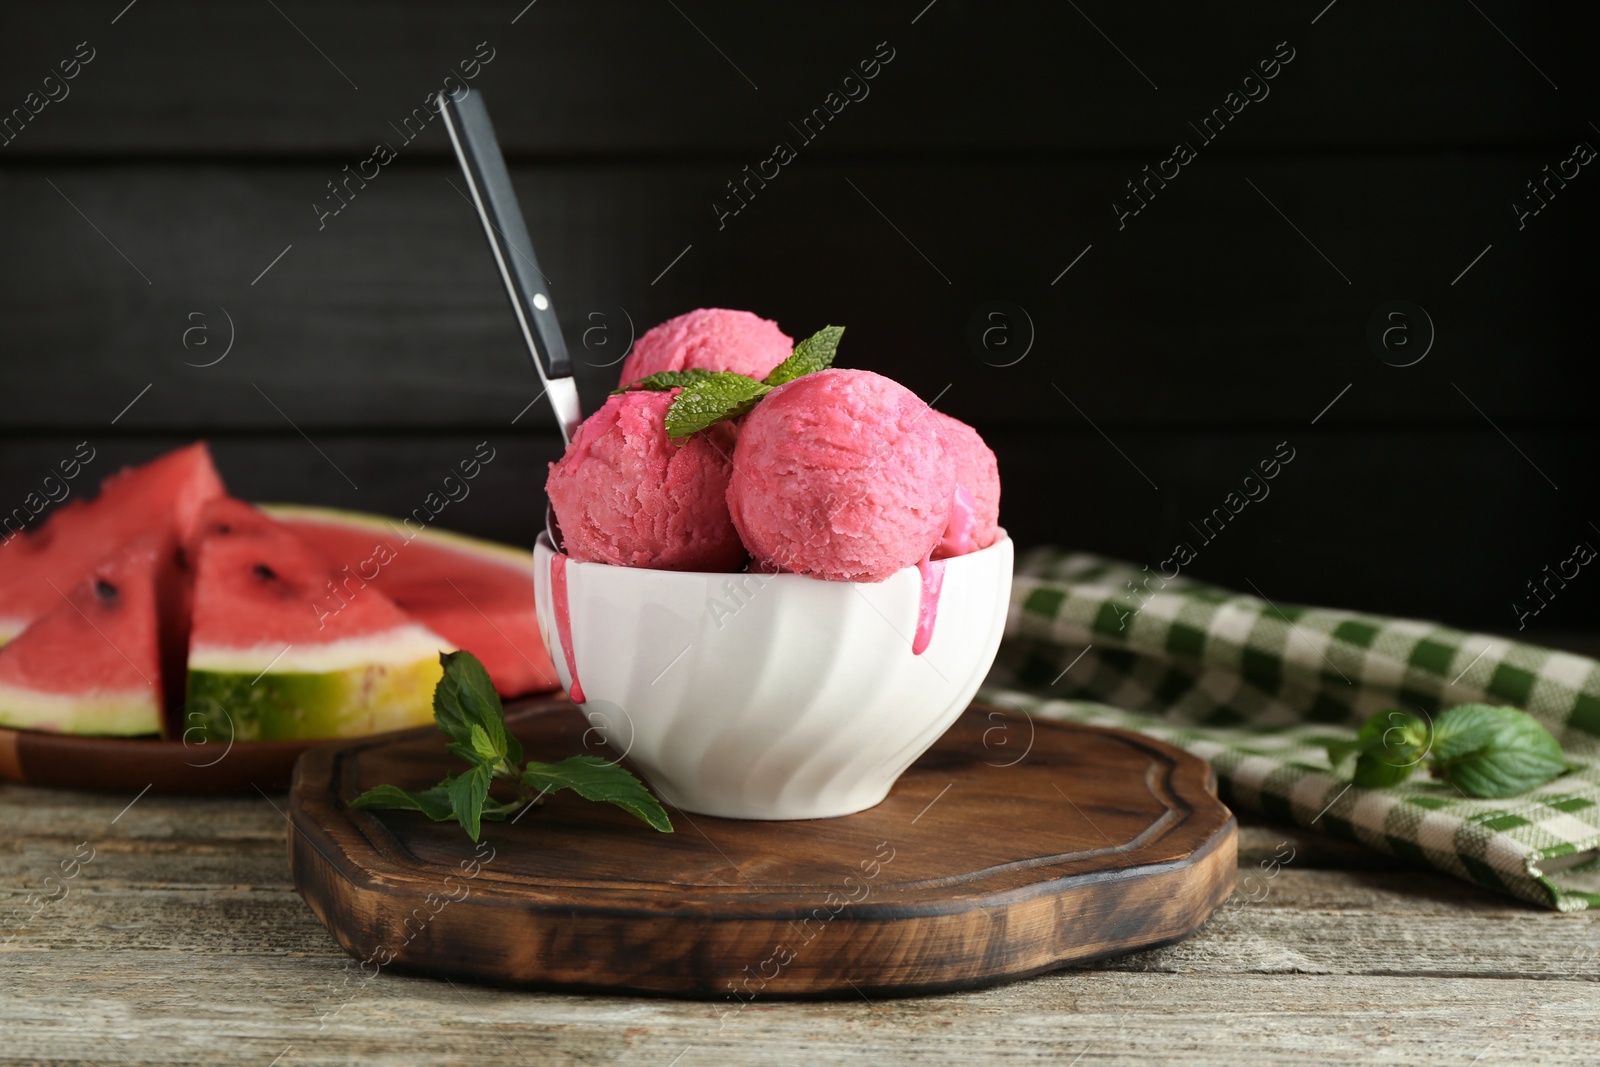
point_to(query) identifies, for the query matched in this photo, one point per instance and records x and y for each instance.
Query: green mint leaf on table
(465, 698)
(1488, 751)
(434, 803)
(813, 354)
(1484, 751)
(467, 793)
(595, 779)
(1391, 745)
(666, 379)
(717, 396)
(468, 711)
(480, 748)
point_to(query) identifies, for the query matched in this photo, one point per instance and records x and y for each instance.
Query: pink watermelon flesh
(98, 646)
(226, 517)
(476, 595)
(162, 498)
(257, 583)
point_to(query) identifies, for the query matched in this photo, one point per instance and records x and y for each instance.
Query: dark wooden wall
(1175, 354)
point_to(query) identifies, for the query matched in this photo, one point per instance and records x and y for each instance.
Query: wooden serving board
(979, 867)
(123, 764)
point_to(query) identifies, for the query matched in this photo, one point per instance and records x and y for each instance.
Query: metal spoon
(489, 185)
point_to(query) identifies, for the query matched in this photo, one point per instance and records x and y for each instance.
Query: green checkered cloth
(1256, 688)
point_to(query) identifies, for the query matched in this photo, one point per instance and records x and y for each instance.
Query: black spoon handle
(489, 186)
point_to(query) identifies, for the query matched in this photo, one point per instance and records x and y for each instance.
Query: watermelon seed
(265, 573)
(104, 589)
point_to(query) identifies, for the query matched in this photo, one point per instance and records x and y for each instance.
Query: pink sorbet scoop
(627, 494)
(841, 475)
(975, 511)
(709, 339)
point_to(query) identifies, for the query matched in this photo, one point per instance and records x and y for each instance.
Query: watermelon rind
(292, 706)
(516, 557)
(111, 714)
(346, 689)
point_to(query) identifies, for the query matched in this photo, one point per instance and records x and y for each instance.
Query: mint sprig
(813, 354)
(710, 397)
(718, 396)
(662, 380)
(467, 710)
(1384, 753)
(593, 778)
(1483, 750)
(434, 803)
(1494, 752)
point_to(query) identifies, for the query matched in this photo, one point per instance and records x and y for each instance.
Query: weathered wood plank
(641, 77)
(1315, 922)
(1206, 309)
(35, 815)
(158, 1007)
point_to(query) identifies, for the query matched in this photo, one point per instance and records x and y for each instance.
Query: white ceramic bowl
(773, 696)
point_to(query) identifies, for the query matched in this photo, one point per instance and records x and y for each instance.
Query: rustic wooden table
(182, 941)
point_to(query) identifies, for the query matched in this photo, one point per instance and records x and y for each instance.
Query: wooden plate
(982, 865)
(120, 764)
(124, 764)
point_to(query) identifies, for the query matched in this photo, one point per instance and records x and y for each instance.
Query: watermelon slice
(162, 497)
(92, 663)
(478, 594)
(267, 659)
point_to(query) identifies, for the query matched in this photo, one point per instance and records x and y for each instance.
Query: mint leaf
(716, 396)
(663, 380)
(1483, 750)
(1489, 751)
(465, 698)
(1469, 727)
(434, 803)
(480, 749)
(596, 779)
(1385, 752)
(468, 711)
(467, 794)
(1374, 772)
(813, 354)
(1393, 743)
